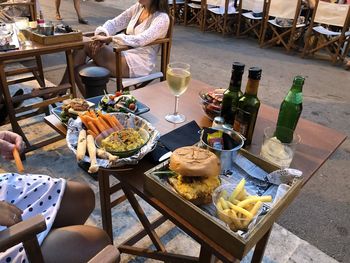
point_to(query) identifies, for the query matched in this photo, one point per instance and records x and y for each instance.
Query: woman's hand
(98, 42)
(8, 141)
(9, 214)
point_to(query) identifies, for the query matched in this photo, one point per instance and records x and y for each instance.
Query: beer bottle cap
(255, 73)
(238, 67)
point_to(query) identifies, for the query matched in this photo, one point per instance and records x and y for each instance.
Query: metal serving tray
(204, 218)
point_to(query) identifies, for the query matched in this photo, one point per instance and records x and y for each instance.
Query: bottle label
(241, 123)
(296, 98)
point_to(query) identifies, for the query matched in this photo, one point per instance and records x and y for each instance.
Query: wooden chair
(220, 16)
(247, 21)
(26, 232)
(331, 32)
(194, 13)
(177, 10)
(284, 34)
(31, 5)
(139, 82)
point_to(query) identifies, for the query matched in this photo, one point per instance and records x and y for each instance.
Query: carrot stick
(84, 120)
(118, 124)
(104, 123)
(18, 160)
(92, 127)
(99, 125)
(92, 113)
(107, 120)
(90, 132)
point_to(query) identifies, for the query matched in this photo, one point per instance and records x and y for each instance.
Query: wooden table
(313, 151)
(35, 50)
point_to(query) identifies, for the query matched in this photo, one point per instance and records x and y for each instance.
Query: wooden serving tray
(55, 39)
(223, 236)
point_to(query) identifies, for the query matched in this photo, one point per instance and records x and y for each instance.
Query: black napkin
(185, 135)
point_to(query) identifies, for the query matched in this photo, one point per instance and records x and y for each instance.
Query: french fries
(239, 209)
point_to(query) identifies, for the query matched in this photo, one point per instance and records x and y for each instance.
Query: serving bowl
(210, 102)
(145, 136)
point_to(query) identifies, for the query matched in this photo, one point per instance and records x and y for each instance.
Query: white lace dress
(141, 60)
(33, 194)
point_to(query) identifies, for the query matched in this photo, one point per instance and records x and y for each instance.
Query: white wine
(178, 80)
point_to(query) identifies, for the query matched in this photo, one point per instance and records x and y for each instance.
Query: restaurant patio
(318, 219)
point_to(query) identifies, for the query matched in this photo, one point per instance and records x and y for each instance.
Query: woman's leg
(77, 204)
(106, 58)
(57, 5)
(79, 59)
(77, 10)
(73, 244)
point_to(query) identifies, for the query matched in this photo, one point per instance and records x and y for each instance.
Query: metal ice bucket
(228, 155)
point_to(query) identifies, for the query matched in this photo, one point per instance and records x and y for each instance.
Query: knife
(165, 156)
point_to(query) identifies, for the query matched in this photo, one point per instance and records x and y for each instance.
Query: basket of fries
(236, 206)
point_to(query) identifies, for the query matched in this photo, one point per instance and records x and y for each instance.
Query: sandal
(82, 21)
(58, 16)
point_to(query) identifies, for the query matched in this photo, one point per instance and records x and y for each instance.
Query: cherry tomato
(118, 93)
(132, 106)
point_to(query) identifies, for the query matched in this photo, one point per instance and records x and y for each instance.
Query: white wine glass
(178, 77)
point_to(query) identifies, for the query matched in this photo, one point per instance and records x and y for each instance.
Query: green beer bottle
(232, 94)
(248, 107)
(290, 111)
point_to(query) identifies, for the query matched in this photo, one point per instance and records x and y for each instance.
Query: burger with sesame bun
(197, 173)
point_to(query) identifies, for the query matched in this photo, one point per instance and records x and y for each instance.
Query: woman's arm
(158, 29)
(117, 24)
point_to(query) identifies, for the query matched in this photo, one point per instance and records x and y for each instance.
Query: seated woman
(65, 206)
(144, 22)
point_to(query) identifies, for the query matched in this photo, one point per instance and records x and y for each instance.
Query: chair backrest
(221, 3)
(252, 5)
(283, 8)
(331, 14)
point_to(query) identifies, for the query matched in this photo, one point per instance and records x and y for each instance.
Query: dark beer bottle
(248, 106)
(232, 94)
(290, 111)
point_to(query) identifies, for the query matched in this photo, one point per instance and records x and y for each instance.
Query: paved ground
(320, 215)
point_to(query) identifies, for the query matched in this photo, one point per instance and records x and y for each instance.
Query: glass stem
(176, 105)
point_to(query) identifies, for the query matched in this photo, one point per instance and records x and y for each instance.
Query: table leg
(70, 67)
(105, 201)
(206, 256)
(260, 248)
(143, 219)
(8, 102)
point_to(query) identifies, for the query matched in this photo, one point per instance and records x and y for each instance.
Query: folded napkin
(185, 135)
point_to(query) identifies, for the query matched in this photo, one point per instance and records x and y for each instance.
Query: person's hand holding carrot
(8, 141)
